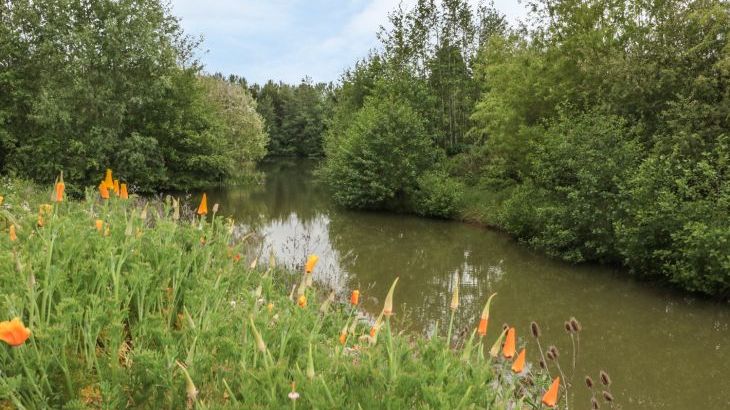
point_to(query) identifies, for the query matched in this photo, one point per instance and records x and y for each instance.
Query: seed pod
(549, 355)
(535, 330)
(607, 396)
(568, 329)
(554, 351)
(594, 404)
(575, 325)
(542, 364)
(605, 379)
(589, 382)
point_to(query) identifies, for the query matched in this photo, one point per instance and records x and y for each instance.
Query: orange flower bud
(13, 236)
(203, 207)
(550, 398)
(302, 301)
(103, 191)
(311, 262)
(99, 225)
(115, 187)
(509, 344)
(123, 192)
(355, 297)
(519, 363)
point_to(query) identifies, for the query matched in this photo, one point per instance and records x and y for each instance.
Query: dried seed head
(554, 351)
(535, 330)
(605, 379)
(589, 382)
(542, 364)
(607, 396)
(567, 327)
(575, 325)
(594, 404)
(505, 327)
(549, 355)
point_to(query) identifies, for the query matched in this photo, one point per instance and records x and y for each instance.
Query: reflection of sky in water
(663, 349)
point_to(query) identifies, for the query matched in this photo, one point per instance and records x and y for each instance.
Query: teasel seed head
(549, 355)
(568, 328)
(605, 379)
(607, 396)
(542, 364)
(575, 325)
(589, 382)
(535, 330)
(505, 327)
(594, 404)
(554, 351)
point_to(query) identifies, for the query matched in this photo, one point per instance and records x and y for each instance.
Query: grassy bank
(147, 305)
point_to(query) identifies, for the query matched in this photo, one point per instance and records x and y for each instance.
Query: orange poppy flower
(509, 344)
(60, 188)
(550, 398)
(108, 181)
(484, 320)
(123, 192)
(203, 207)
(115, 187)
(99, 225)
(311, 262)
(519, 363)
(355, 297)
(13, 236)
(103, 191)
(13, 332)
(302, 301)
(343, 336)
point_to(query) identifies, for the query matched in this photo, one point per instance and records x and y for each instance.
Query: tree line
(595, 131)
(86, 85)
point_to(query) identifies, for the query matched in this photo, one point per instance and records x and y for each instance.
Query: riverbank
(141, 304)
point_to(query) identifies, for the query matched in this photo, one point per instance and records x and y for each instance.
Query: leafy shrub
(438, 195)
(571, 200)
(377, 162)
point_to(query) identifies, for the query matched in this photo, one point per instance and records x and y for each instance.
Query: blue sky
(289, 39)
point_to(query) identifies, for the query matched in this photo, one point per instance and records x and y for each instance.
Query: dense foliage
(87, 84)
(596, 131)
(296, 116)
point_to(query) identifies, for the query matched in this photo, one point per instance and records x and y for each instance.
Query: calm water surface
(663, 349)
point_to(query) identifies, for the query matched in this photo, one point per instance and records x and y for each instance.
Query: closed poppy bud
(103, 191)
(115, 187)
(519, 363)
(484, 319)
(99, 225)
(550, 398)
(13, 332)
(494, 351)
(388, 305)
(509, 345)
(302, 301)
(355, 297)
(60, 188)
(13, 236)
(455, 295)
(203, 207)
(311, 262)
(123, 192)
(108, 181)
(343, 335)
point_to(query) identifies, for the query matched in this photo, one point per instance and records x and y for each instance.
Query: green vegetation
(87, 84)
(598, 132)
(147, 305)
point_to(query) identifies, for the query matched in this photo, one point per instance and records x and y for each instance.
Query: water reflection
(663, 349)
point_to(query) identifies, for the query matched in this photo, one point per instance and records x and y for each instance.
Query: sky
(286, 40)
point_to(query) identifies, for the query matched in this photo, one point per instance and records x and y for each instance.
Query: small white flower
(293, 395)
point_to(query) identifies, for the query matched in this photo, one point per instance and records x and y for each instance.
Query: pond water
(663, 349)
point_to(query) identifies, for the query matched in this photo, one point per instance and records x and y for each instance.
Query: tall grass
(154, 310)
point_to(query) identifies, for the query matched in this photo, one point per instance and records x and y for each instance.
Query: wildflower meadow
(117, 301)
